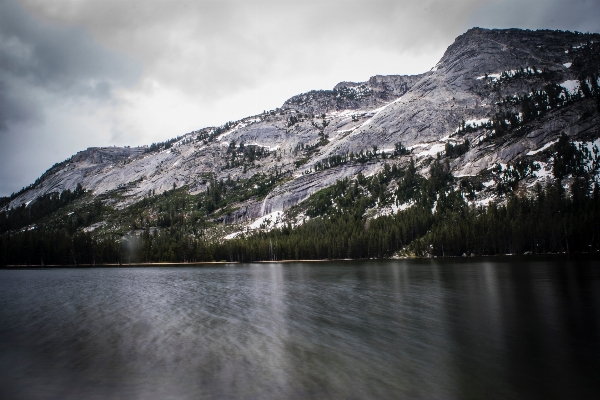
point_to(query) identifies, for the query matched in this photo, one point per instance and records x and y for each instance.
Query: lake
(497, 328)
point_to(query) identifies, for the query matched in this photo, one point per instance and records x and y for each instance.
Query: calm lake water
(427, 329)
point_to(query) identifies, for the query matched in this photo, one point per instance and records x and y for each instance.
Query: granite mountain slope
(478, 98)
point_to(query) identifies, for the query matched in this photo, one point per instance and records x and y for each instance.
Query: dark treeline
(57, 247)
(548, 222)
(438, 222)
(44, 205)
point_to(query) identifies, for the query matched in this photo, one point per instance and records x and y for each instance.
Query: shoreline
(210, 263)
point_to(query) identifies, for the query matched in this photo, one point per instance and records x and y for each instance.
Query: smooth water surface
(425, 329)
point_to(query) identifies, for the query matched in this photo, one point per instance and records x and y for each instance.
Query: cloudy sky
(75, 74)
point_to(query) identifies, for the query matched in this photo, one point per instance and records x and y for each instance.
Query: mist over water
(505, 328)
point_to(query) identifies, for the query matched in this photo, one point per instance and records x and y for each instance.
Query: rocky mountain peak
(378, 90)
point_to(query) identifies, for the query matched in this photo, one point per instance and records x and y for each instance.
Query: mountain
(500, 112)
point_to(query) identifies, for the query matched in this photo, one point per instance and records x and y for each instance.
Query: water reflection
(395, 329)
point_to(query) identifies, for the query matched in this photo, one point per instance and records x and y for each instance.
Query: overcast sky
(75, 74)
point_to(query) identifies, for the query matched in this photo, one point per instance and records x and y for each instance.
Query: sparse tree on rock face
(457, 150)
(231, 148)
(567, 159)
(400, 150)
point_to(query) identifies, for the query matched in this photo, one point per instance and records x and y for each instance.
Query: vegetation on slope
(338, 222)
(344, 220)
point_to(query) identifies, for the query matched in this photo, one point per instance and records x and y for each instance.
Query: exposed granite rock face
(390, 87)
(422, 112)
(294, 191)
(374, 93)
(441, 99)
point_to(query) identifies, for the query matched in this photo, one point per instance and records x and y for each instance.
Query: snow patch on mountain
(272, 220)
(572, 86)
(544, 170)
(432, 151)
(547, 145)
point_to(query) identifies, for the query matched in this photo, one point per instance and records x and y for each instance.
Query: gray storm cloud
(62, 59)
(212, 48)
(80, 73)
(43, 64)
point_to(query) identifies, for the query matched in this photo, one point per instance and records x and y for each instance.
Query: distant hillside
(503, 129)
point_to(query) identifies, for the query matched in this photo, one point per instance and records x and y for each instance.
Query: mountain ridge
(496, 103)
